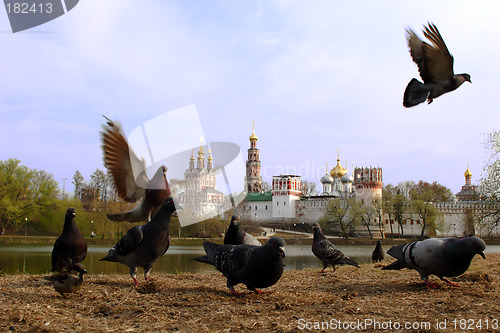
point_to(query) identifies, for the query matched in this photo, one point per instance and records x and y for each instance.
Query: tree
(377, 206)
(23, 191)
(79, 182)
(343, 213)
(367, 213)
(486, 212)
(421, 205)
(308, 188)
(387, 204)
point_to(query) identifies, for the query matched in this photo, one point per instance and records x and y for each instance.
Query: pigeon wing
(130, 241)
(119, 159)
(232, 259)
(438, 62)
(435, 63)
(329, 251)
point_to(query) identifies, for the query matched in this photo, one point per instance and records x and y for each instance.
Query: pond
(35, 259)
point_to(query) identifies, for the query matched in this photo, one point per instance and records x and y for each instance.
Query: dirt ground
(349, 299)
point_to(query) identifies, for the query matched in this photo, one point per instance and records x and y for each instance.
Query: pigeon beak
(282, 251)
(481, 253)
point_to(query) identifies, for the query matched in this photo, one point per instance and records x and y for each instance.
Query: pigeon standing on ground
(444, 257)
(254, 266)
(142, 245)
(70, 247)
(236, 236)
(327, 252)
(378, 253)
(435, 64)
(120, 161)
(66, 282)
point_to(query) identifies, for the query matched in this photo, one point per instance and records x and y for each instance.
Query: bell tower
(253, 178)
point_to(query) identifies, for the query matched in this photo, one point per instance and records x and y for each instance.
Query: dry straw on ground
(201, 302)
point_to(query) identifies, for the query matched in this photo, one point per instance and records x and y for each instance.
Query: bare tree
(343, 213)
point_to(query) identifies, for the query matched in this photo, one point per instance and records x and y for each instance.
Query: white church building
(285, 202)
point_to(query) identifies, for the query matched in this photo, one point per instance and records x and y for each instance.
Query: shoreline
(289, 239)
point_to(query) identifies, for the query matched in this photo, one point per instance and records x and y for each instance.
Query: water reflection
(37, 259)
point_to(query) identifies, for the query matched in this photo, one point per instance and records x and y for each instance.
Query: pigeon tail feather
(112, 256)
(415, 93)
(397, 251)
(397, 265)
(348, 261)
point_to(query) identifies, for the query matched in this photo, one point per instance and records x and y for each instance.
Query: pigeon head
(277, 246)
(475, 245)
(461, 78)
(235, 219)
(78, 268)
(317, 229)
(71, 212)
(169, 205)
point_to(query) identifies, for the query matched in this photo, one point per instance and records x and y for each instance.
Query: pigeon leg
(449, 282)
(133, 274)
(333, 267)
(321, 271)
(429, 101)
(259, 292)
(428, 284)
(234, 292)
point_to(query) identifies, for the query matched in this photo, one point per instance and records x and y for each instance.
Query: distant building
(200, 195)
(285, 202)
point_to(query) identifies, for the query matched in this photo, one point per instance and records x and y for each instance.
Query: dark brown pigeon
(142, 245)
(438, 256)
(236, 236)
(327, 252)
(120, 161)
(378, 253)
(66, 282)
(70, 248)
(254, 266)
(435, 64)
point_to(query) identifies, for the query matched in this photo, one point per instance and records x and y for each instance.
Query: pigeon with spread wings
(120, 161)
(435, 64)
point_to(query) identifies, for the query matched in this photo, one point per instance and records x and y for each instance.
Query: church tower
(253, 178)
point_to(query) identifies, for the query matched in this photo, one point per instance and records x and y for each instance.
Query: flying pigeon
(70, 247)
(439, 256)
(142, 245)
(378, 253)
(327, 252)
(66, 283)
(236, 236)
(435, 64)
(254, 266)
(120, 161)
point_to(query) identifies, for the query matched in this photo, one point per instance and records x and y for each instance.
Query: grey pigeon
(254, 266)
(435, 64)
(378, 253)
(66, 282)
(142, 245)
(236, 236)
(70, 247)
(438, 256)
(120, 161)
(327, 252)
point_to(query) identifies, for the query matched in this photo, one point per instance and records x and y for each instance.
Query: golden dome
(338, 171)
(253, 137)
(467, 172)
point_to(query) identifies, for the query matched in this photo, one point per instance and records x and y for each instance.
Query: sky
(317, 77)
